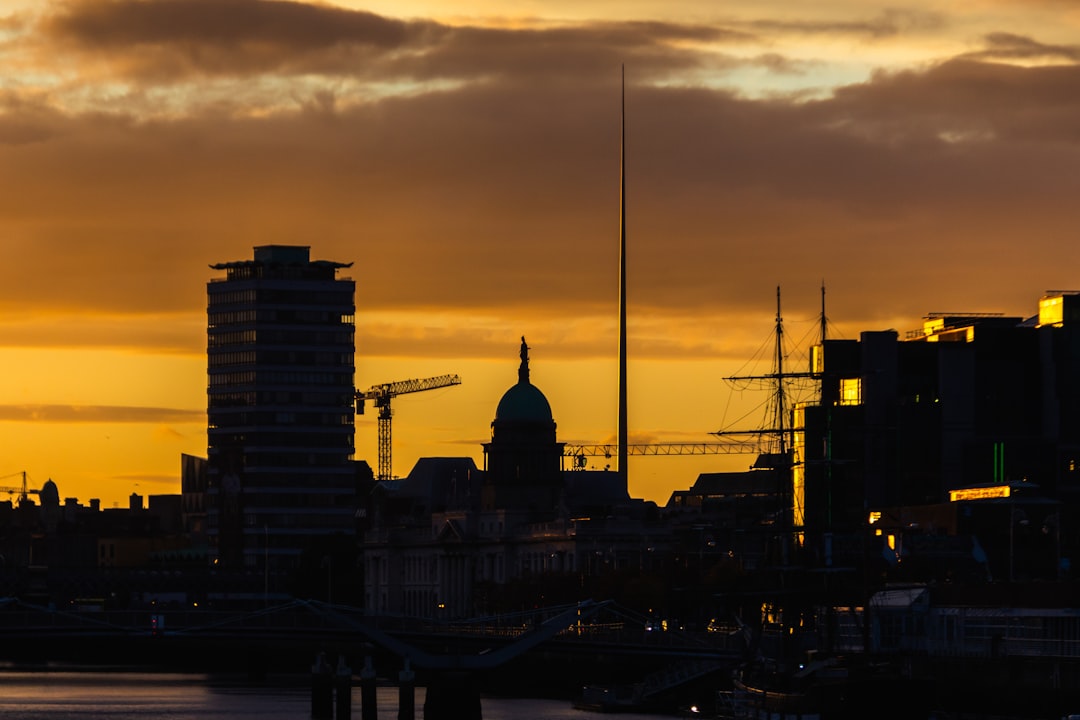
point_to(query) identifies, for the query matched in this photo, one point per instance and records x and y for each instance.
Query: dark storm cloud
(287, 26)
(172, 39)
(96, 414)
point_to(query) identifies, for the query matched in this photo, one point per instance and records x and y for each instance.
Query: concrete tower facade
(280, 433)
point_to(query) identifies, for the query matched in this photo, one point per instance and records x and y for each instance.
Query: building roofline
(253, 263)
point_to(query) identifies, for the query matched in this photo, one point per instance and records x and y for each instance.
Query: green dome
(523, 402)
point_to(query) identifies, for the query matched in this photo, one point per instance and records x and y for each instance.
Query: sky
(913, 157)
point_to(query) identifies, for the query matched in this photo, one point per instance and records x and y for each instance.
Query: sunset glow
(915, 158)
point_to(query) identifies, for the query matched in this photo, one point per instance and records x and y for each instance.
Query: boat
(804, 695)
(651, 694)
(610, 698)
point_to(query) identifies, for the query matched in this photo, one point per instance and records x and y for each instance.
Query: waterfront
(126, 695)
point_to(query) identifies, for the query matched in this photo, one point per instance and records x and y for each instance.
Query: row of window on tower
(282, 419)
(292, 337)
(267, 315)
(269, 398)
(279, 357)
(280, 296)
(300, 457)
(279, 377)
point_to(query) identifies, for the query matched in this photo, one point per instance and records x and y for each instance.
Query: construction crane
(381, 395)
(580, 452)
(21, 490)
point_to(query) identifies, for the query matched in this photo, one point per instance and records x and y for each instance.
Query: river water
(95, 695)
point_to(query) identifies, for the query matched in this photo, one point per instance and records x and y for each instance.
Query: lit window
(851, 391)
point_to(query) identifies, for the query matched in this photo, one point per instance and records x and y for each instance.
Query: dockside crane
(381, 396)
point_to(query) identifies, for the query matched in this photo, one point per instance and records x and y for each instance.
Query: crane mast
(22, 490)
(381, 395)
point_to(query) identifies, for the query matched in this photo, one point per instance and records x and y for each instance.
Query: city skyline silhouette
(914, 159)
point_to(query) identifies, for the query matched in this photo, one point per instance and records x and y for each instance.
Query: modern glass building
(280, 366)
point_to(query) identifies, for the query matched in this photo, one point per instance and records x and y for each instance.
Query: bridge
(500, 637)
(473, 644)
(574, 634)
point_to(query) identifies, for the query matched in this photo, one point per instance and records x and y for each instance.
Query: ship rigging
(786, 389)
(777, 438)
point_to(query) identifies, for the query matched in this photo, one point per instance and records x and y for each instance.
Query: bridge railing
(612, 625)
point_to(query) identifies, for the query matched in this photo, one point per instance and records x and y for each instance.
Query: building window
(851, 391)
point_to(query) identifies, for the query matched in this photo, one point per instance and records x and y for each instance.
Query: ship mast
(824, 320)
(827, 450)
(777, 455)
(780, 398)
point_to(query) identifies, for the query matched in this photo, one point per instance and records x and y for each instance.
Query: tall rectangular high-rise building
(280, 432)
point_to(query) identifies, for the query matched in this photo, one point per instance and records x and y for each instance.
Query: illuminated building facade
(969, 400)
(280, 366)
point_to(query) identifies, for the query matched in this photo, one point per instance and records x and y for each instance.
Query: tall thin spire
(623, 431)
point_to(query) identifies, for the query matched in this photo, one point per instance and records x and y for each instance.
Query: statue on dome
(523, 370)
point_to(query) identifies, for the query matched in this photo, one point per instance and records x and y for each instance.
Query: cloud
(492, 201)
(510, 199)
(169, 41)
(1007, 46)
(888, 23)
(293, 25)
(1006, 103)
(174, 38)
(97, 414)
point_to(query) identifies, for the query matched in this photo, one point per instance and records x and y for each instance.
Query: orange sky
(916, 157)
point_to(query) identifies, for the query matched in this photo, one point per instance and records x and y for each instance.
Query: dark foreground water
(52, 695)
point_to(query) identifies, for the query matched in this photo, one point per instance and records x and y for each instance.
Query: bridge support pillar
(406, 693)
(452, 696)
(342, 690)
(322, 689)
(368, 708)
